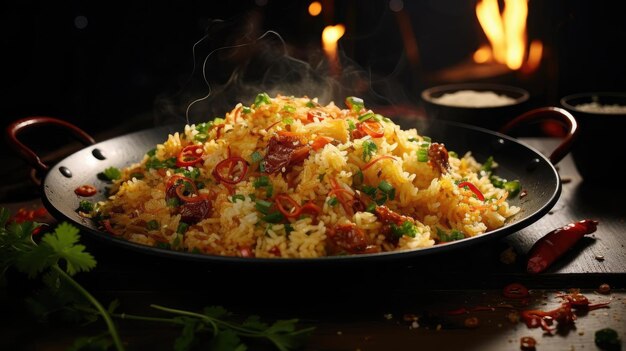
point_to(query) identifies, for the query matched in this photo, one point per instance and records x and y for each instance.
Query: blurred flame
(506, 32)
(330, 37)
(483, 54)
(534, 56)
(315, 8)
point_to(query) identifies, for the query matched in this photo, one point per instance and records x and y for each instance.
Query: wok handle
(27, 153)
(552, 113)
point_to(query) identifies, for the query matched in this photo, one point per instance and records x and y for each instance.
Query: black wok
(516, 160)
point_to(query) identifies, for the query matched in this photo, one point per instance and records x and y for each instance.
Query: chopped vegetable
(366, 116)
(369, 149)
(372, 128)
(453, 154)
(182, 228)
(152, 225)
(422, 151)
(288, 120)
(263, 206)
(289, 109)
(351, 125)
(354, 103)
(407, 228)
(245, 110)
(236, 197)
(112, 173)
(453, 235)
(607, 339)
(85, 206)
(262, 99)
(333, 201)
(310, 104)
(256, 157)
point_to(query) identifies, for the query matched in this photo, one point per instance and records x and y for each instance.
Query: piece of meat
(194, 212)
(284, 151)
(388, 217)
(438, 154)
(348, 238)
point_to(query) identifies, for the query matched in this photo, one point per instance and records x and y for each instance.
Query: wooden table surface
(365, 307)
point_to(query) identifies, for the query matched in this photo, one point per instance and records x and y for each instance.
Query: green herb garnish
(453, 235)
(262, 99)
(369, 149)
(112, 173)
(407, 228)
(152, 225)
(85, 206)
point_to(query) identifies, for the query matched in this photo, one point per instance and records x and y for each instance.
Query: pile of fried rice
(289, 177)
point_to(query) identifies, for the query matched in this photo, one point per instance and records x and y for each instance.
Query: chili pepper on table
(554, 244)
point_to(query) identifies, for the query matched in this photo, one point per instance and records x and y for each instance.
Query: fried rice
(289, 177)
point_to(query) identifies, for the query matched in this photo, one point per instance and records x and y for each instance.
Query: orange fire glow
(330, 37)
(506, 33)
(315, 8)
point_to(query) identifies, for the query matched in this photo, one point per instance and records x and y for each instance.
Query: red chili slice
(86, 190)
(189, 155)
(474, 189)
(312, 114)
(232, 176)
(372, 128)
(295, 209)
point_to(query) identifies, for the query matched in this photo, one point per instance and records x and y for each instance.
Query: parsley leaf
(369, 149)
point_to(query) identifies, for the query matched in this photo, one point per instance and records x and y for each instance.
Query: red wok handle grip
(549, 113)
(29, 155)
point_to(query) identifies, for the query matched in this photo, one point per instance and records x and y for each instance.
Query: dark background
(114, 68)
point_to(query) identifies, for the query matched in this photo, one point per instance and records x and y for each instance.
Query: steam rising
(228, 70)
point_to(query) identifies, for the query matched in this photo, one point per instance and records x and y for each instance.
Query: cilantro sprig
(58, 256)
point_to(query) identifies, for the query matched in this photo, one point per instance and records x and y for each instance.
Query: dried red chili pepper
(554, 244)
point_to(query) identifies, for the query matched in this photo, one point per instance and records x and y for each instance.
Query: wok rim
(404, 255)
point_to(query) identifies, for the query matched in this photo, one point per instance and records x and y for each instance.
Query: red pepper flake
(471, 322)
(515, 291)
(86, 190)
(527, 343)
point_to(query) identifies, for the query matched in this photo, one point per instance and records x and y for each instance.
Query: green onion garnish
(256, 156)
(263, 206)
(182, 228)
(261, 99)
(152, 225)
(236, 197)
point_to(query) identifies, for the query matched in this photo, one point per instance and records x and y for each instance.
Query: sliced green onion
(274, 217)
(488, 165)
(426, 139)
(236, 197)
(310, 104)
(172, 202)
(406, 229)
(371, 207)
(85, 206)
(385, 187)
(289, 108)
(354, 103)
(422, 155)
(351, 125)
(245, 110)
(256, 156)
(182, 228)
(453, 154)
(263, 206)
(366, 116)
(261, 99)
(333, 201)
(261, 181)
(151, 152)
(513, 187)
(152, 225)
(288, 120)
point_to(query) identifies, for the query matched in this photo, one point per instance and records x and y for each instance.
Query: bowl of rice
(290, 177)
(480, 104)
(602, 120)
